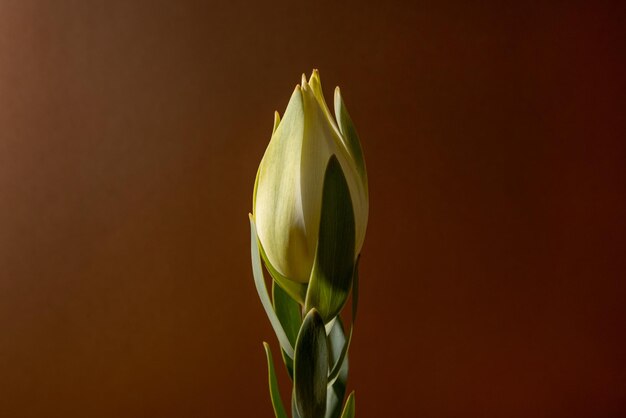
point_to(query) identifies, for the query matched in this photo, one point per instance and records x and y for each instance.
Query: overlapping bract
(288, 193)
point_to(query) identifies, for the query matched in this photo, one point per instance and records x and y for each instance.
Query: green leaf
(351, 138)
(348, 410)
(289, 314)
(294, 409)
(288, 363)
(331, 277)
(338, 363)
(310, 376)
(259, 282)
(355, 289)
(277, 403)
(337, 391)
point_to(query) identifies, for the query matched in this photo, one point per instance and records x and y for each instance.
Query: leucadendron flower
(287, 201)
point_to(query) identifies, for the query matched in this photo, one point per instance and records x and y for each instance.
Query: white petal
(278, 205)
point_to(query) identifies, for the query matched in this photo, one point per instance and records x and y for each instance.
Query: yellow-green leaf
(348, 410)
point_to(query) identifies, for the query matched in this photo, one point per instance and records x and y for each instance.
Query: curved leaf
(310, 375)
(259, 282)
(331, 277)
(338, 363)
(337, 391)
(351, 138)
(289, 314)
(294, 409)
(277, 402)
(348, 410)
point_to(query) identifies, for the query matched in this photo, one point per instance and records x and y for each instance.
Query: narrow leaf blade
(277, 403)
(289, 314)
(259, 282)
(348, 410)
(294, 408)
(350, 135)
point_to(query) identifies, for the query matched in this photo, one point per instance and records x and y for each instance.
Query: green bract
(287, 205)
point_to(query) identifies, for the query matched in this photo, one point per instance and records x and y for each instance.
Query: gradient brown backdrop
(493, 270)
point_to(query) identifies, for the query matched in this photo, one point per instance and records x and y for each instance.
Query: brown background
(493, 270)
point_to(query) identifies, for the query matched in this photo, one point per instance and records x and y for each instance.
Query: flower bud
(290, 179)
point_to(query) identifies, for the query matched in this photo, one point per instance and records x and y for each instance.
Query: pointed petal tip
(338, 100)
(298, 94)
(315, 75)
(276, 121)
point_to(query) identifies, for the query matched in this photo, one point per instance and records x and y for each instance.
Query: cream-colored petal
(256, 180)
(288, 190)
(316, 85)
(318, 145)
(278, 205)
